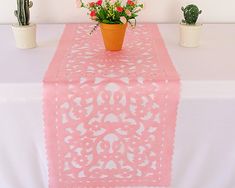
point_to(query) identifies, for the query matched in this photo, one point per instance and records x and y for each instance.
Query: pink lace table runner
(110, 116)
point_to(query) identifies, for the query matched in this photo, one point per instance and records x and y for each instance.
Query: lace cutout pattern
(110, 116)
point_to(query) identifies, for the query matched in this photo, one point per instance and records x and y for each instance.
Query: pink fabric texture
(110, 116)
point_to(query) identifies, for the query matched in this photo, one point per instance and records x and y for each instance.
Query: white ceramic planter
(25, 36)
(190, 35)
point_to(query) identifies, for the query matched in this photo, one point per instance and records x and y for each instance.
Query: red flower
(99, 2)
(92, 4)
(130, 2)
(119, 9)
(93, 13)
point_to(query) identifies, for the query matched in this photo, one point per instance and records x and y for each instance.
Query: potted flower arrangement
(189, 29)
(113, 16)
(24, 32)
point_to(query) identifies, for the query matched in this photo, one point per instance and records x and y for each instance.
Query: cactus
(22, 13)
(191, 14)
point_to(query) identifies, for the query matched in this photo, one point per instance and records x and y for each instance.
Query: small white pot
(190, 35)
(25, 36)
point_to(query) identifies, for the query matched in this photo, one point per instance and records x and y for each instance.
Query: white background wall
(51, 11)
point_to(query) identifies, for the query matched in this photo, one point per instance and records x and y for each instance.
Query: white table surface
(205, 136)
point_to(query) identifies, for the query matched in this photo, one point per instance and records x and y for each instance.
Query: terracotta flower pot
(113, 35)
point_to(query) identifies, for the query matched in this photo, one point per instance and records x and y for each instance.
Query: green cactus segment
(22, 13)
(191, 14)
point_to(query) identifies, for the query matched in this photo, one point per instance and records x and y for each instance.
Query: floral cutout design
(110, 116)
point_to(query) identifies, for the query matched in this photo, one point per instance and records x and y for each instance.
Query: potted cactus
(189, 29)
(24, 32)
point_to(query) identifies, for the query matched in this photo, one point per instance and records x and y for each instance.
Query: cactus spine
(22, 13)
(191, 14)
